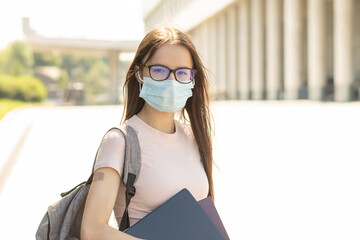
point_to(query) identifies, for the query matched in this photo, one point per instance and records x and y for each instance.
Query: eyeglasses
(161, 73)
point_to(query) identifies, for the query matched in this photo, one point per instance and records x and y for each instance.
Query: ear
(138, 74)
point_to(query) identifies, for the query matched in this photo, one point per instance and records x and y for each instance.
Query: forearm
(106, 232)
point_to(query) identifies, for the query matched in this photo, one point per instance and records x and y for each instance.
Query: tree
(89, 70)
(47, 59)
(63, 80)
(17, 59)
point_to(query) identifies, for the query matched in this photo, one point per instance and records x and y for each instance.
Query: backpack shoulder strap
(132, 162)
(131, 169)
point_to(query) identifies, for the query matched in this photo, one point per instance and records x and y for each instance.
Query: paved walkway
(286, 170)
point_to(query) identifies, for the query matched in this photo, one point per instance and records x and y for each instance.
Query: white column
(231, 84)
(244, 50)
(195, 38)
(316, 50)
(221, 57)
(343, 69)
(205, 51)
(257, 49)
(203, 43)
(212, 57)
(293, 48)
(273, 48)
(114, 77)
(356, 52)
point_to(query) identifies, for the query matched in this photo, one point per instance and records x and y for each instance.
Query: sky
(92, 19)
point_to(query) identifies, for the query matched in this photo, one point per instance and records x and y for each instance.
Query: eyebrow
(159, 64)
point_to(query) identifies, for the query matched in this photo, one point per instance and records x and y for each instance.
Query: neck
(162, 121)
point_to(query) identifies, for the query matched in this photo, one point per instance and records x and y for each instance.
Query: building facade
(271, 49)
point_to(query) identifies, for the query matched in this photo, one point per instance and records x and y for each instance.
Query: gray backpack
(63, 219)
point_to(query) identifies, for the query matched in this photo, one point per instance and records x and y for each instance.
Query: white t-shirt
(169, 163)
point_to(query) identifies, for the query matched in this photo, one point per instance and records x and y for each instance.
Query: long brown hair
(197, 106)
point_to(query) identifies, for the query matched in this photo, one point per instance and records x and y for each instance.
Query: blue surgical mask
(167, 95)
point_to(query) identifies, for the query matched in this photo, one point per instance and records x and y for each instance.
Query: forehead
(172, 56)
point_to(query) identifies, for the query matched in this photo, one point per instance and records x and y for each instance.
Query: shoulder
(114, 134)
(113, 138)
(111, 151)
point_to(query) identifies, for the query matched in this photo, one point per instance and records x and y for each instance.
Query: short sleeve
(111, 151)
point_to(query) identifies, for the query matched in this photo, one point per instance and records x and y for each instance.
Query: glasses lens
(184, 75)
(159, 72)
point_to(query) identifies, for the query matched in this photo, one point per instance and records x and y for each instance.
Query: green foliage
(23, 88)
(63, 80)
(92, 71)
(6, 105)
(1, 59)
(16, 59)
(47, 59)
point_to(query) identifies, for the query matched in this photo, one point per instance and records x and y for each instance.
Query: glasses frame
(170, 71)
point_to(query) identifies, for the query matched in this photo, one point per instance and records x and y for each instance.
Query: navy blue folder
(179, 218)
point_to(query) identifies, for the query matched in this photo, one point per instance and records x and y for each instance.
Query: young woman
(166, 77)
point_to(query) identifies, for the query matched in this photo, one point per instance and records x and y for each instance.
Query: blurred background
(285, 78)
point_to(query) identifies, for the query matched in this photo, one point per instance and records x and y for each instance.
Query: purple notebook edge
(208, 205)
